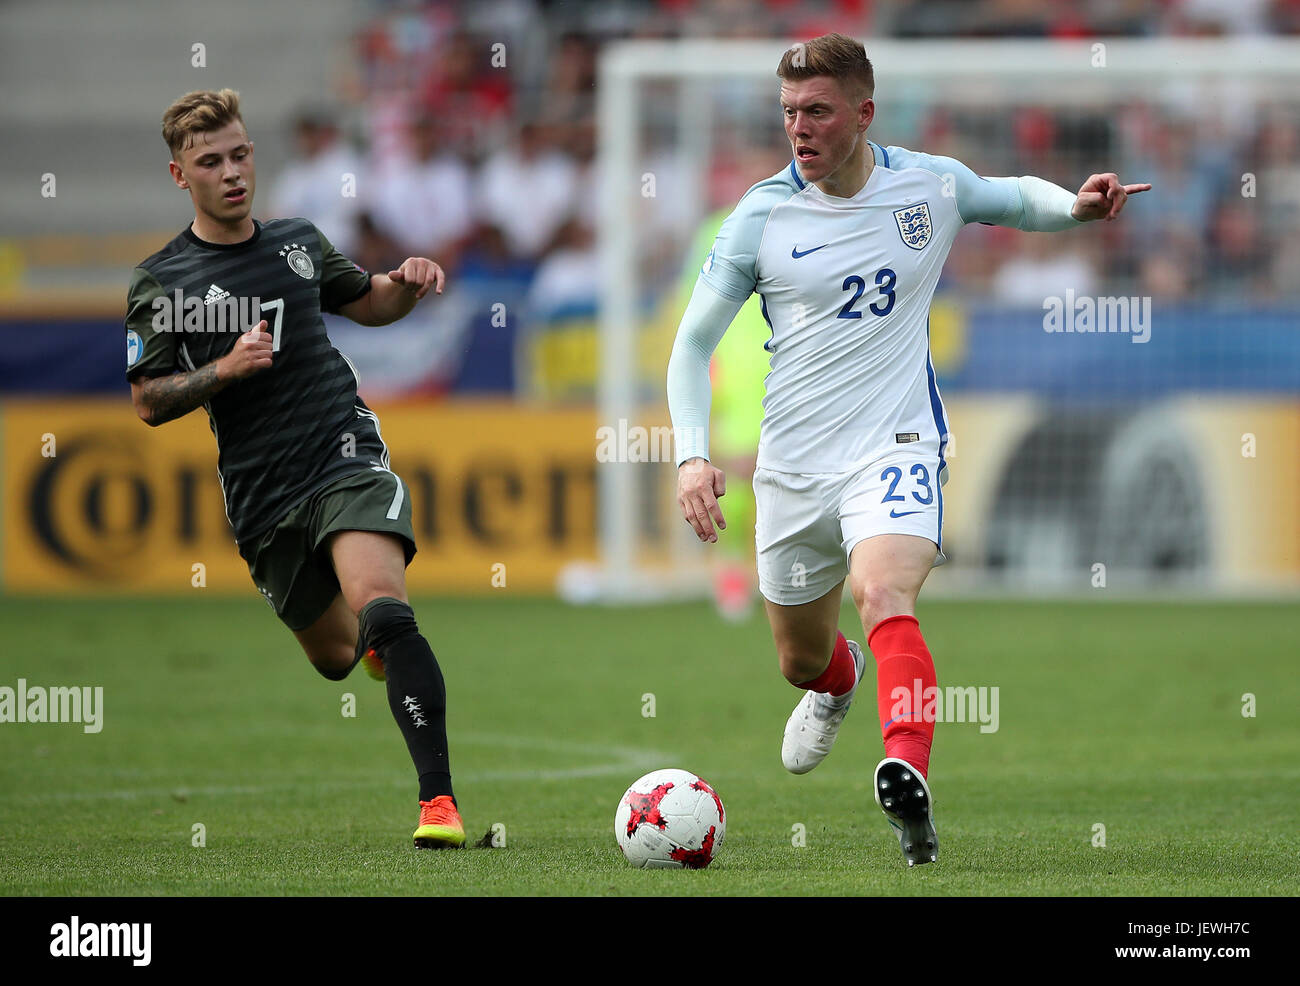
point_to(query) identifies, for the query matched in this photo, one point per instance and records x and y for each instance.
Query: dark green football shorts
(290, 564)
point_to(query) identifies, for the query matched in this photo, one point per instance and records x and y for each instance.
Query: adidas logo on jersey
(214, 294)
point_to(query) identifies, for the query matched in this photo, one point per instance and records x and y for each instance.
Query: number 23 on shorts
(921, 478)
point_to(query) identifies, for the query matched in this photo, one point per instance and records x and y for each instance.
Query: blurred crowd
(470, 128)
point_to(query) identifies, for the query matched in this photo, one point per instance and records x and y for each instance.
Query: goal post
(675, 105)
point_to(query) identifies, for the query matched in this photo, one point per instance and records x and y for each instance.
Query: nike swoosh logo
(795, 252)
(906, 513)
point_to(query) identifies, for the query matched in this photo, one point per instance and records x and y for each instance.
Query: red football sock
(904, 677)
(840, 675)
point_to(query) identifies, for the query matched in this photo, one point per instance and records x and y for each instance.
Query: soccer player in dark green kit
(321, 519)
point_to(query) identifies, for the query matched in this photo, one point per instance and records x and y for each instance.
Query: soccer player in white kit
(845, 247)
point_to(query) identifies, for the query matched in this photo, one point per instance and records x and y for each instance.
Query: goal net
(1123, 399)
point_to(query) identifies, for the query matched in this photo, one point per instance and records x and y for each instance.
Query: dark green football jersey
(283, 432)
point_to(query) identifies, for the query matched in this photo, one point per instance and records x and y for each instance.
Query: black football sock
(416, 692)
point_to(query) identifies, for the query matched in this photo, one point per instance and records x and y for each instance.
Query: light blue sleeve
(690, 392)
(730, 268)
(1026, 203)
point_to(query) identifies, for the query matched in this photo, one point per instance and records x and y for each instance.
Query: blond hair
(196, 113)
(836, 55)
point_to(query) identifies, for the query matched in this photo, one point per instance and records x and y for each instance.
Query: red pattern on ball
(645, 808)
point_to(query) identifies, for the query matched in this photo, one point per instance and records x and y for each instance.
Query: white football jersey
(846, 286)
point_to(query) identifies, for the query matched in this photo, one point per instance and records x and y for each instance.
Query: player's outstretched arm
(161, 399)
(393, 295)
(1029, 203)
(1103, 197)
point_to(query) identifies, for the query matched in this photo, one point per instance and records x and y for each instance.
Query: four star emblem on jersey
(914, 225)
(298, 260)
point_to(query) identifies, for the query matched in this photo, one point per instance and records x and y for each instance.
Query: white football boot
(811, 729)
(905, 799)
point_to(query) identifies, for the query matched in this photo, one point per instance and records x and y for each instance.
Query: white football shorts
(807, 525)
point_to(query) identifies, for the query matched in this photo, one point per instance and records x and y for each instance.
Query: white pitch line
(626, 760)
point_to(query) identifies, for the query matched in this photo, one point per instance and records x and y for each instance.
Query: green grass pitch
(1123, 715)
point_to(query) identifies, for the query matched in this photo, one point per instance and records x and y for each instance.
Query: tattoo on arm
(171, 397)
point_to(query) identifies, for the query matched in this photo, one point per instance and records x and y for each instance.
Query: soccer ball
(670, 819)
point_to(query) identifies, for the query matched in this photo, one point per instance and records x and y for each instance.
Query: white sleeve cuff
(1046, 206)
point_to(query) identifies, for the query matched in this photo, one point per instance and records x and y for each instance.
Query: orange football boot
(440, 825)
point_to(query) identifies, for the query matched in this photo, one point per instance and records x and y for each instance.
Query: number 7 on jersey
(277, 322)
